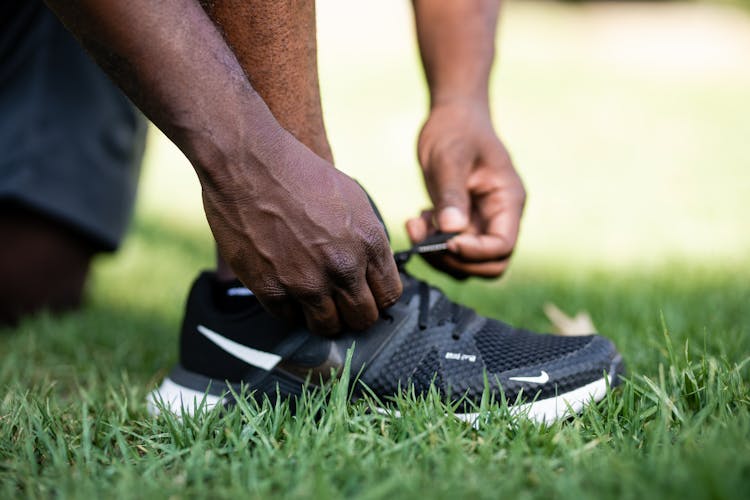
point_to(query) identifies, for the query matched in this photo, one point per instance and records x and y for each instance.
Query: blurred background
(629, 123)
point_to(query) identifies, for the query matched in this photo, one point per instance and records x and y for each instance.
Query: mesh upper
(504, 348)
(445, 344)
(427, 372)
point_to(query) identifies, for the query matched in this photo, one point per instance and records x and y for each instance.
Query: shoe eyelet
(455, 336)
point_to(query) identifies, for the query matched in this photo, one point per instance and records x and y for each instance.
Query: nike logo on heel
(259, 359)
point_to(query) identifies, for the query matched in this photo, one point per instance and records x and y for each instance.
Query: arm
(468, 172)
(170, 60)
(292, 245)
(457, 44)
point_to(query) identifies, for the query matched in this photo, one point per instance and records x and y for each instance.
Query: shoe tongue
(232, 296)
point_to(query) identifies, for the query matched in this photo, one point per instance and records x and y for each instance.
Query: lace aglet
(435, 243)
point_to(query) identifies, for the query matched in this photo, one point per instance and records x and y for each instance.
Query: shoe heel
(185, 392)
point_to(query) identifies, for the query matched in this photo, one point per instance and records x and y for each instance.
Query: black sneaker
(424, 339)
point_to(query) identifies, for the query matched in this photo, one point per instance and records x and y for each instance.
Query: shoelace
(460, 316)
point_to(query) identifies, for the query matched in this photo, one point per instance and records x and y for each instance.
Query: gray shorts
(70, 142)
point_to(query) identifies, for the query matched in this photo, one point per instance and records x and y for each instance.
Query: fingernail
(451, 219)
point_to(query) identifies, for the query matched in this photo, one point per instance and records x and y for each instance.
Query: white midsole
(548, 410)
(542, 410)
(178, 399)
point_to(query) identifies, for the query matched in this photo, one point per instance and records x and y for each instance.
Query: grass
(637, 214)
(74, 421)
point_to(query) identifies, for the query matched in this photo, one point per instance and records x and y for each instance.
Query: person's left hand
(475, 190)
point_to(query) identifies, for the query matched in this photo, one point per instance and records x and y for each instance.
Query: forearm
(275, 44)
(457, 44)
(301, 235)
(468, 172)
(172, 62)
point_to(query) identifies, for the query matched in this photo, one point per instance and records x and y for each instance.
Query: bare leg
(276, 45)
(43, 264)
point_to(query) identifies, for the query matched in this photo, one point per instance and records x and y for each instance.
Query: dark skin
(246, 112)
(298, 232)
(275, 45)
(469, 174)
(43, 263)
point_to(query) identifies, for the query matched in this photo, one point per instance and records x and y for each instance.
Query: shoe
(424, 339)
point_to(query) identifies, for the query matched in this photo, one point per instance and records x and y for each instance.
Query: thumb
(452, 219)
(451, 198)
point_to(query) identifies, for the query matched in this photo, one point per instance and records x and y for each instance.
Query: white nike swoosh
(541, 379)
(259, 359)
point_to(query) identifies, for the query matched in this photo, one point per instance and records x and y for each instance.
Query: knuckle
(344, 270)
(271, 291)
(347, 279)
(451, 196)
(308, 293)
(355, 302)
(375, 242)
(390, 294)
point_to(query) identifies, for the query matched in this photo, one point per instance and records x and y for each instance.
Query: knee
(43, 264)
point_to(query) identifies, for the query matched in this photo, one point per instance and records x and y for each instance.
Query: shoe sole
(178, 398)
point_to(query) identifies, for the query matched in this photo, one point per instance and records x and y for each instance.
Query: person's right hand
(303, 237)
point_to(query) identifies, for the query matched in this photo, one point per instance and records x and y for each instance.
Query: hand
(474, 188)
(303, 237)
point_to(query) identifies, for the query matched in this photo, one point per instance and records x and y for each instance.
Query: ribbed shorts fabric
(71, 143)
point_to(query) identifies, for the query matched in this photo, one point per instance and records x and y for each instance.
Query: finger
(419, 228)
(416, 228)
(481, 247)
(384, 282)
(439, 262)
(357, 308)
(321, 315)
(382, 274)
(452, 218)
(282, 309)
(447, 186)
(504, 228)
(461, 269)
(505, 221)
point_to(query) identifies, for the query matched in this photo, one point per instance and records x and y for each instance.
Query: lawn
(629, 124)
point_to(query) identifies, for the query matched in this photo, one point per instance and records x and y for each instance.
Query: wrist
(458, 123)
(461, 112)
(462, 105)
(477, 98)
(235, 140)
